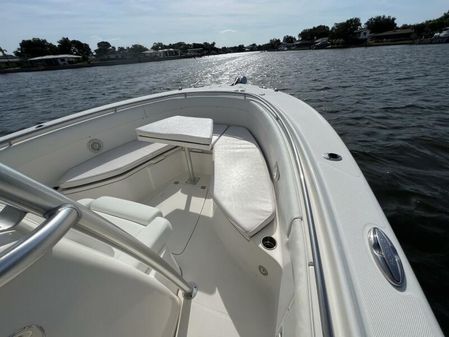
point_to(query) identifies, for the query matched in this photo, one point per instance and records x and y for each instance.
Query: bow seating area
(182, 191)
(120, 160)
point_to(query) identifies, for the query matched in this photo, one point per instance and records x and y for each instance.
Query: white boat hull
(323, 279)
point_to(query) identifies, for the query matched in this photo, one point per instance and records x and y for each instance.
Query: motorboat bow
(216, 211)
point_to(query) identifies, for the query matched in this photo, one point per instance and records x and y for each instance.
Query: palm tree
(3, 51)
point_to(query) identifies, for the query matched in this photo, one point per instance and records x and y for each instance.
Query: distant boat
(216, 211)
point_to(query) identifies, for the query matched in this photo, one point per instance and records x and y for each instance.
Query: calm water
(389, 104)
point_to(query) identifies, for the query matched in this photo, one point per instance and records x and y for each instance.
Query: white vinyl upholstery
(191, 132)
(86, 202)
(112, 163)
(90, 242)
(154, 236)
(242, 187)
(133, 211)
(141, 221)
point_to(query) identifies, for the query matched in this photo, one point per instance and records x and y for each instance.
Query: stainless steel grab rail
(23, 254)
(25, 193)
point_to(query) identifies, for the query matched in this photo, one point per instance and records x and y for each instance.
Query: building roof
(151, 51)
(8, 58)
(52, 57)
(394, 32)
(303, 42)
(322, 40)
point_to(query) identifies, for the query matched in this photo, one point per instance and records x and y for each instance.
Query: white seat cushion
(154, 236)
(112, 163)
(141, 221)
(130, 210)
(190, 132)
(86, 202)
(89, 241)
(241, 185)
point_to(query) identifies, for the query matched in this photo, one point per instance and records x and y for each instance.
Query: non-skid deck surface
(181, 204)
(228, 302)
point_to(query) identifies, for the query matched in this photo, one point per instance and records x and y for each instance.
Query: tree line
(344, 33)
(39, 47)
(347, 32)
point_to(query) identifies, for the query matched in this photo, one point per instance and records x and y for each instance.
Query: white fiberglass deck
(229, 302)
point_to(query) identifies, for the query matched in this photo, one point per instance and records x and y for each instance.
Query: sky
(227, 22)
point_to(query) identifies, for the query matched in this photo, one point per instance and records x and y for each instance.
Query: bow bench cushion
(242, 187)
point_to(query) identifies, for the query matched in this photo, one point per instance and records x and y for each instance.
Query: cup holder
(269, 242)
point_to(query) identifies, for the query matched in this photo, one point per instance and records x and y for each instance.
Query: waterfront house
(55, 60)
(150, 54)
(161, 54)
(442, 37)
(362, 34)
(321, 43)
(195, 52)
(251, 47)
(9, 61)
(287, 45)
(393, 36)
(303, 44)
(164, 53)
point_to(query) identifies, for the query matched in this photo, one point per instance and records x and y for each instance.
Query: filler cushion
(242, 185)
(190, 132)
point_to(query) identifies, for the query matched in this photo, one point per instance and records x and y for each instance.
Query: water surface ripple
(389, 104)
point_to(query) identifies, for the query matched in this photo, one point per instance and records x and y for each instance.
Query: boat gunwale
(325, 316)
(87, 115)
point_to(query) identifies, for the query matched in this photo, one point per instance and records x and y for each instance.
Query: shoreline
(140, 60)
(88, 65)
